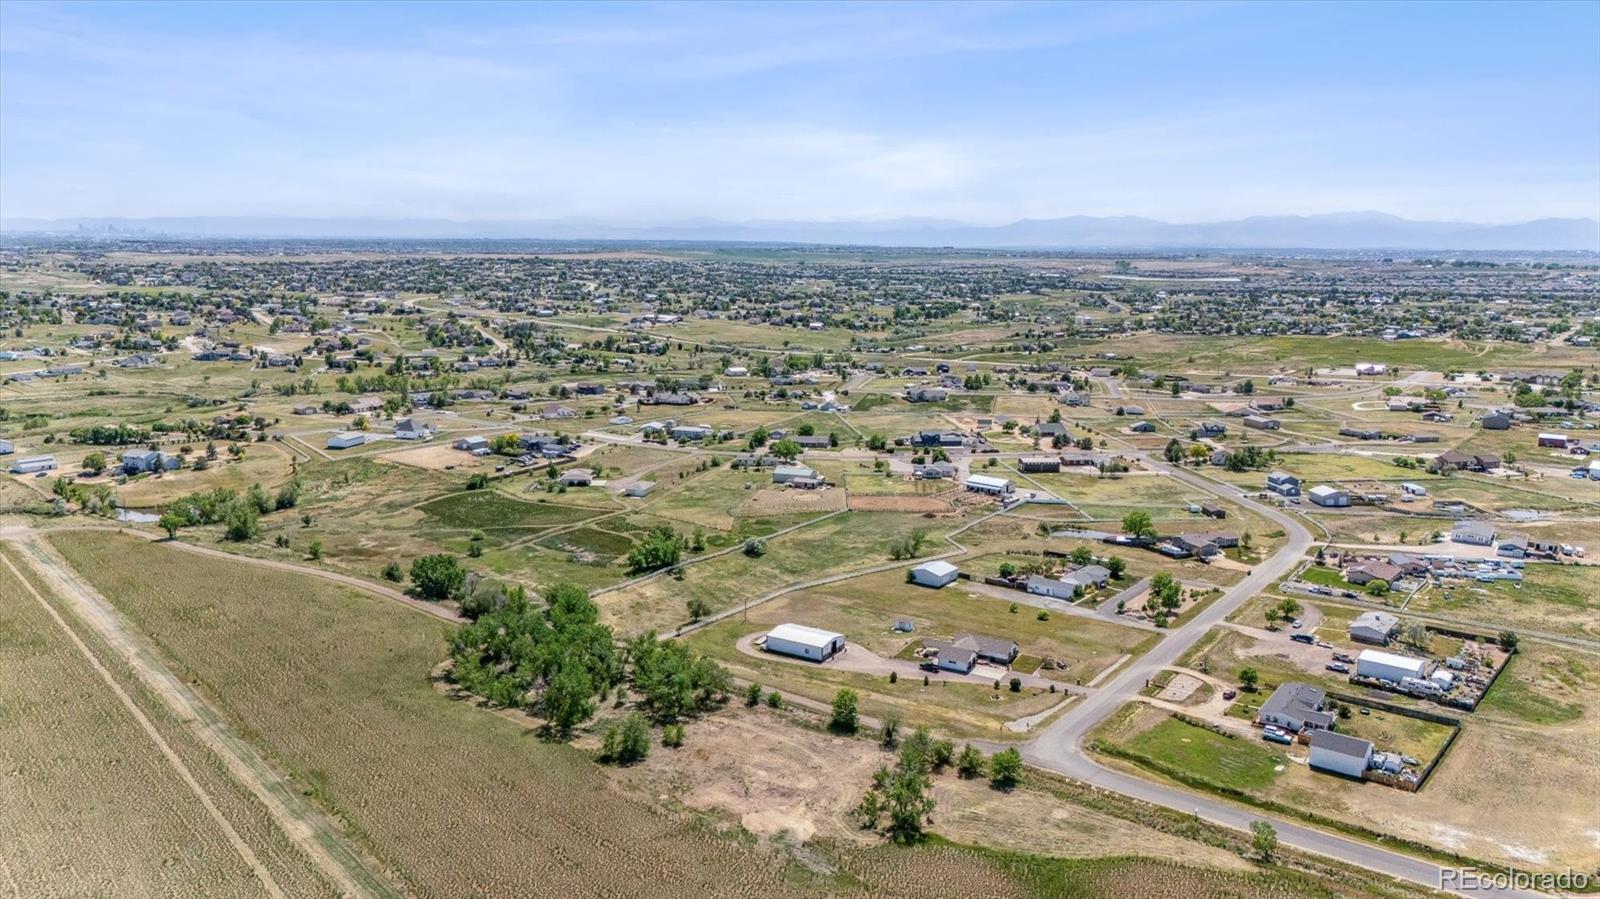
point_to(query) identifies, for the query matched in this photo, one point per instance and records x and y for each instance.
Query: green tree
(846, 718)
(568, 699)
(1138, 524)
(628, 742)
(752, 695)
(1117, 567)
(170, 521)
(1264, 838)
(241, 523)
(1249, 677)
(95, 462)
(661, 547)
(698, 607)
(1005, 769)
(969, 764)
(438, 576)
(786, 450)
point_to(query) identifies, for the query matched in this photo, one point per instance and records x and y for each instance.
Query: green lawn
(1231, 762)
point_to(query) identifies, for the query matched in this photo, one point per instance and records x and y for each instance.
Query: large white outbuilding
(1390, 666)
(936, 573)
(982, 483)
(804, 642)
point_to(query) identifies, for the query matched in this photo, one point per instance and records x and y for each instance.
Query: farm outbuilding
(1323, 495)
(936, 573)
(346, 439)
(1373, 627)
(982, 483)
(783, 474)
(1389, 666)
(1340, 753)
(804, 642)
(33, 464)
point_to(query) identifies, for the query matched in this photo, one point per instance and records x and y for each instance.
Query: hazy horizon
(977, 114)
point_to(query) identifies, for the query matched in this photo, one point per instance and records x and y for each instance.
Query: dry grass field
(335, 686)
(104, 799)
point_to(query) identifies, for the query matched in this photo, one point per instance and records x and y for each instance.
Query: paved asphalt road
(1058, 746)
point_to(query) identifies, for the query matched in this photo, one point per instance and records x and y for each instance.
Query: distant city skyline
(986, 114)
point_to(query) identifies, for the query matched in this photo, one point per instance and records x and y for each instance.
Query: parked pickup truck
(1302, 638)
(1340, 667)
(1342, 657)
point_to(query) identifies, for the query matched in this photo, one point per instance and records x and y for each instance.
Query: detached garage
(803, 642)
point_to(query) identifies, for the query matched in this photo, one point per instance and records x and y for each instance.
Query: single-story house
(804, 642)
(1087, 577)
(412, 429)
(1142, 427)
(990, 649)
(1039, 585)
(1295, 707)
(1340, 753)
(576, 477)
(1373, 570)
(1473, 533)
(950, 657)
(936, 573)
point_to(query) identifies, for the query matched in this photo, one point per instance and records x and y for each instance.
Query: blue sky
(639, 113)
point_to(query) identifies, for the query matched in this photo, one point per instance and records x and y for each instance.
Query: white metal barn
(1390, 666)
(936, 573)
(983, 483)
(1324, 495)
(804, 642)
(346, 439)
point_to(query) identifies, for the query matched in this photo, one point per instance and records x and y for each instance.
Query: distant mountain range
(1334, 231)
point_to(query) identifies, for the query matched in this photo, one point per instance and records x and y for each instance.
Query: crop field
(94, 806)
(542, 818)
